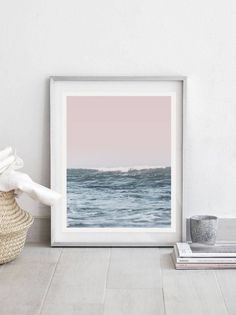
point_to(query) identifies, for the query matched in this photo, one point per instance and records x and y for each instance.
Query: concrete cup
(203, 229)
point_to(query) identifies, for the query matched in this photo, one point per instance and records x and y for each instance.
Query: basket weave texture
(14, 224)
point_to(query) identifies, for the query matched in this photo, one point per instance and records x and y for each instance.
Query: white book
(203, 260)
(201, 266)
(198, 251)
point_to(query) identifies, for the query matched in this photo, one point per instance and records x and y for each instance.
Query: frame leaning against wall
(60, 235)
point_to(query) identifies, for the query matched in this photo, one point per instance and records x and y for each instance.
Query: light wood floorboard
(227, 283)
(79, 282)
(134, 268)
(23, 282)
(192, 292)
(134, 302)
(117, 281)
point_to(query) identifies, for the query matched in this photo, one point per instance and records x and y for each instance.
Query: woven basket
(14, 224)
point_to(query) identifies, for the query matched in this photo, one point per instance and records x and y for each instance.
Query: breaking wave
(125, 169)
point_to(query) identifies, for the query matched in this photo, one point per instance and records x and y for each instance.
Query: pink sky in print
(118, 131)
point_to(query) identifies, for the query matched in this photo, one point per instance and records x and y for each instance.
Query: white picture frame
(63, 86)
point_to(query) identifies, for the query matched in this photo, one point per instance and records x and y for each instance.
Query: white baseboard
(41, 229)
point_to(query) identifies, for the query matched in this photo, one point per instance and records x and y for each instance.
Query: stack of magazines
(196, 256)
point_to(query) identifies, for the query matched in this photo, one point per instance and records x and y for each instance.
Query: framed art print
(116, 159)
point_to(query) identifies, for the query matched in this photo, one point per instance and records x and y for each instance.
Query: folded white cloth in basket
(10, 179)
(9, 161)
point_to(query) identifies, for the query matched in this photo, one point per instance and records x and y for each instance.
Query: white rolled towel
(5, 153)
(9, 161)
(21, 182)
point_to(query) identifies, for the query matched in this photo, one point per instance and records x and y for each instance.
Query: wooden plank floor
(97, 281)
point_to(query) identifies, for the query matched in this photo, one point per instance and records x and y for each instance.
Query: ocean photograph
(119, 198)
(105, 133)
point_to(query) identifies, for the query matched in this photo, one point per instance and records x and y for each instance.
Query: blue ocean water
(131, 198)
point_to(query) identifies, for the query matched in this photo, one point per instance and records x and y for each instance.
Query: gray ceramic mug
(203, 229)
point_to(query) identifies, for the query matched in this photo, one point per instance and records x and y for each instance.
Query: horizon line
(122, 168)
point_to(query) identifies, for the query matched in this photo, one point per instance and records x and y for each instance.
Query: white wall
(39, 38)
